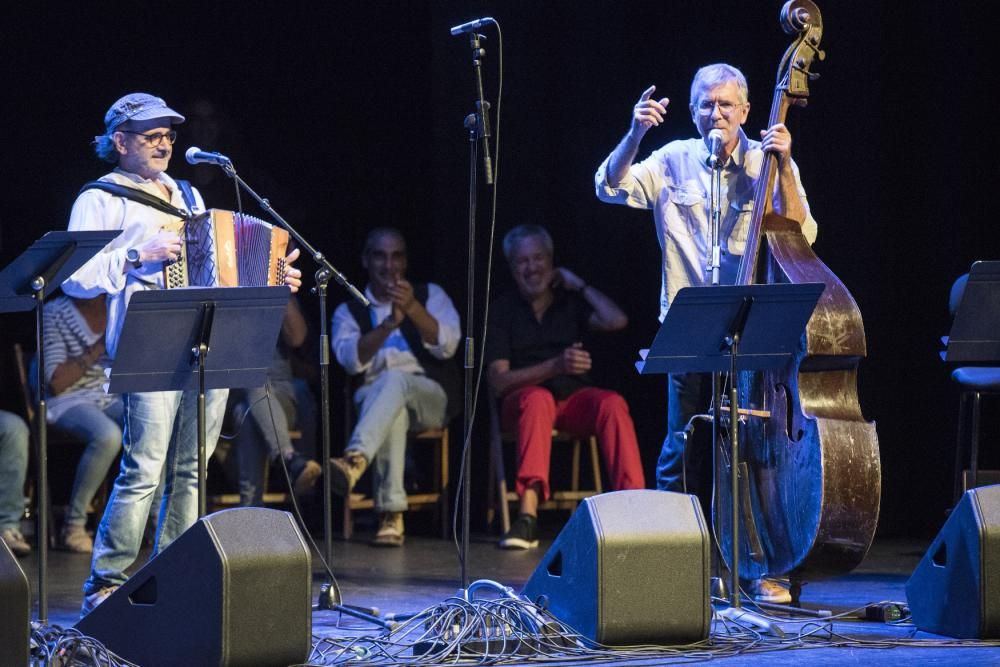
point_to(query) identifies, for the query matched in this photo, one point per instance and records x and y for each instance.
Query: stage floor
(426, 572)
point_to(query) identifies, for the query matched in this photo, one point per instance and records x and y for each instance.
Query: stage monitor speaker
(955, 589)
(15, 610)
(629, 567)
(234, 589)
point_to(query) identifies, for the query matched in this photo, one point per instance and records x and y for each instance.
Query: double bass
(809, 474)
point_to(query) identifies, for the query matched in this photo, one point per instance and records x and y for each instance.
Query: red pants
(533, 412)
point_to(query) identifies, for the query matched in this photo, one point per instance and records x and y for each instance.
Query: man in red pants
(538, 367)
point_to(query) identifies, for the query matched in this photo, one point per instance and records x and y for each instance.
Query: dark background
(349, 115)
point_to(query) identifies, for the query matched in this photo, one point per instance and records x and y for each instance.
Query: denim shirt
(675, 181)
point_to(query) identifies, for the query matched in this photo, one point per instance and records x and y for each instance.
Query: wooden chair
(559, 498)
(435, 498)
(56, 438)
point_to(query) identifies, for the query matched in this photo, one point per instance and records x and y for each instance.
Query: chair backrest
(957, 290)
(27, 395)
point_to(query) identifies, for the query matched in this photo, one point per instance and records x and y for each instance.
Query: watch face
(132, 255)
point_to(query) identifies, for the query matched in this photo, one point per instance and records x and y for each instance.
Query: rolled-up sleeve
(639, 187)
(105, 271)
(441, 309)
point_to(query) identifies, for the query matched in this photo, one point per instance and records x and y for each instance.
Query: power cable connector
(886, 612)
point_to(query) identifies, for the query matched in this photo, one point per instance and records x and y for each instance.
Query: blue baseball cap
(138, 106)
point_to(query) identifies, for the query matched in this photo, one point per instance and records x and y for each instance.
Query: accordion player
(227, 249)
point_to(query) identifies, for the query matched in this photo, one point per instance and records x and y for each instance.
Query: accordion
(227, 249)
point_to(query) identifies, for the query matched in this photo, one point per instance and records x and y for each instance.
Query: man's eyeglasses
(156, 138)
(725, 108)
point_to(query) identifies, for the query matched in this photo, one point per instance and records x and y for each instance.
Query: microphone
(714, 148)
(471, 25)
(195, 155)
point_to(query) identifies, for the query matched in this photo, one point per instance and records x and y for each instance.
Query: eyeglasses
(725, 108)
(156, 138)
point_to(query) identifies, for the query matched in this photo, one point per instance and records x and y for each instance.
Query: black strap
(136, 195)
(187, 192)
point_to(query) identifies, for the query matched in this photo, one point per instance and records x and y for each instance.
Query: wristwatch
(132, 257)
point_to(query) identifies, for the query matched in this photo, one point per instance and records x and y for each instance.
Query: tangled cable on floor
(55, 646)
(507, 629)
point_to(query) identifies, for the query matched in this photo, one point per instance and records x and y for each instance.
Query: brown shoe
(390, 530)
(306, 479)
(346, 471)
(90, 602)
(15, 541)
(76, 539)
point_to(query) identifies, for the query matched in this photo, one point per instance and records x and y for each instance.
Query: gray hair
(514, 236)
(718, 74)
(104, 146)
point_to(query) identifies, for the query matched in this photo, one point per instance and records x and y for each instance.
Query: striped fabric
(67, 336)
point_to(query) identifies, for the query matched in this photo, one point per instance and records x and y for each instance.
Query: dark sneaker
(15, 541)
(304, 473)
(523, 534)
(91, 601)
(390, 530)
(346, 471)
(769, 590)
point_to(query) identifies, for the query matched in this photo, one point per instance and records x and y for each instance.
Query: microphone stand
(482, 106)
(714, 267)
(329, 596)
(478, 125)
(734, 611)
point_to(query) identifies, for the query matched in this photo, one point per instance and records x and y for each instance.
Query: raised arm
(607, 316)
(646, 113)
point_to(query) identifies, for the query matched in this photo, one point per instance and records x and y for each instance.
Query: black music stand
(734, 328)
(168, 334)
(23, 283)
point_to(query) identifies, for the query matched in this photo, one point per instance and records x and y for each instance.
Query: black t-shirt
(515, 335)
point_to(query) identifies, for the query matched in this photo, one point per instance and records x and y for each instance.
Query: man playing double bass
(675, 182)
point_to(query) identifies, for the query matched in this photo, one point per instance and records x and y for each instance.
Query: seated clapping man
(539, 368)
(401, 346)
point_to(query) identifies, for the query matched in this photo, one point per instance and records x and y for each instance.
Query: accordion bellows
(227, 249)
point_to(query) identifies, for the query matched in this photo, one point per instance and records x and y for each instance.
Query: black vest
(442, 371)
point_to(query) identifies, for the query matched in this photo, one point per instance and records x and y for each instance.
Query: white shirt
(106, 271)
(675, 181)
(395, 352)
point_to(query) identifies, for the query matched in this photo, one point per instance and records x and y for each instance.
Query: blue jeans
(389, 407)
(262, 439)
(13, 467)
(160, 440)
(103, 432)
(687, 394)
